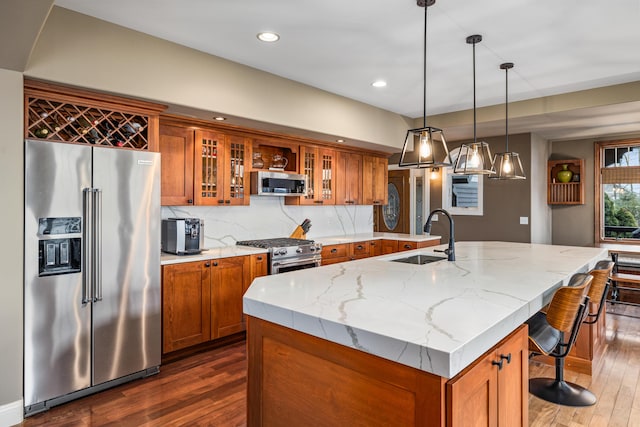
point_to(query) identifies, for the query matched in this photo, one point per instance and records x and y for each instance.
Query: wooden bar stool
(547, 336)
(601, 273)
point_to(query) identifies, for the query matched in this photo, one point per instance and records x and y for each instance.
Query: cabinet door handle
(220, 202)
(215, 264)
(407, 246)
(334, 250)
(227, 202)
(318, 201)
(190, 201)
(498, 363)
(259, 258)
(207, 264)
(507, 358)
(359, 247)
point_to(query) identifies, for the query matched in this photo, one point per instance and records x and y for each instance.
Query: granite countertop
(213, 253)
(336, 240)
(436, 317)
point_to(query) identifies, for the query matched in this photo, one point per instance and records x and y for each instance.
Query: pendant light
(429, 145)
(474, 158)
(507, 165)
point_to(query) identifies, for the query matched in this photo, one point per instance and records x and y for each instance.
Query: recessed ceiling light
(379, 83)
(268, 36)
(340, 140)
(220, 118)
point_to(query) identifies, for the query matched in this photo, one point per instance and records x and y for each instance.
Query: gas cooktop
(274, 243)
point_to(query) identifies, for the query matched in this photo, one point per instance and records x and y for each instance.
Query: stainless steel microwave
(270, 183)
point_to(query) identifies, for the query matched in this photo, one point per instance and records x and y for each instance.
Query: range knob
(282, 251)
(312, 248)
(299, 250)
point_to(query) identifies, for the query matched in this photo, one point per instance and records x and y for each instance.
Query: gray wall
(504, 201)
(11, 194)
(540, 220)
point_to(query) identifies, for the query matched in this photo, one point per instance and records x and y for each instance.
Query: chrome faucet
(451, 250)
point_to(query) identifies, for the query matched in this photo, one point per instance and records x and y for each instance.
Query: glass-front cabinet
(220, 169)
(318, 165)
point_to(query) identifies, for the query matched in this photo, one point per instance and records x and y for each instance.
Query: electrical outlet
(434, 218)
(524, 220)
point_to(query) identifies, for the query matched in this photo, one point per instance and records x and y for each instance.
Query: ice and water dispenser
(60, 245)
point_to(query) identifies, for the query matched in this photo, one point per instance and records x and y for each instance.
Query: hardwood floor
(615, 382)
(208, 389)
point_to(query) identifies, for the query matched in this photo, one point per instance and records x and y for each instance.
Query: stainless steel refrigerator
(92, 303)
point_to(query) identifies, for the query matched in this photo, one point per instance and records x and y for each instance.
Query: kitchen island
(384, 341)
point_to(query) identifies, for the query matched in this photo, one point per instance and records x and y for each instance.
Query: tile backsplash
(269, 217)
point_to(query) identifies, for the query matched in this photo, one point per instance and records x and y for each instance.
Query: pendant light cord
(424, 71)
(474, 93)
(506, 107)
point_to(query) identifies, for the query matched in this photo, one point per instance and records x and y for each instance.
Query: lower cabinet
(494, 390)
(202, 300)
(332, 254)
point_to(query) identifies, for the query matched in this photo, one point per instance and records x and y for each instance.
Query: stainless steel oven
(287, 254)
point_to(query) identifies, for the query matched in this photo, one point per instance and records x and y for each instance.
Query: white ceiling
(342, 46)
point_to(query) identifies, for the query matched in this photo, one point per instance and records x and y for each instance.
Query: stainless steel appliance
(269, 183)
(287, 254)
(182, 236)
(92, 270)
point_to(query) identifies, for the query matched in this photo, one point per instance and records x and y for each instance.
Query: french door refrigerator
(92, 307)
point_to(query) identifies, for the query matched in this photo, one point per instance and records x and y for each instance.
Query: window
(618, 191)
(461, 194)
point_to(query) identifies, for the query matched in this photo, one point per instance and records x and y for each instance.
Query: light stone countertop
(213, 253)
(436, 317)
(336, 240)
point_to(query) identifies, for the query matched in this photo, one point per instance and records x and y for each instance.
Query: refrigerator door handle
(87, 244)
(97, 245)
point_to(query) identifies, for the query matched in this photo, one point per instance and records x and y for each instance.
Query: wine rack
(69, 115)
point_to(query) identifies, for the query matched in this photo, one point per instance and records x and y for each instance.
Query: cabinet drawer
(334, 251)
(360, 250)
(405, 245)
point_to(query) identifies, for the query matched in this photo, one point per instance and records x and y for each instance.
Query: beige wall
(540, 220)
(11, 194)
(574, 225)
(504, 201)
(83, 51)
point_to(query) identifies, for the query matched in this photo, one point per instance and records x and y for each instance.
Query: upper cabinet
(210, 165)
(348, 178)
(64, 114)
(318, 165)
(565, 182)
(220, 172)
(176, 146)
(374, 180)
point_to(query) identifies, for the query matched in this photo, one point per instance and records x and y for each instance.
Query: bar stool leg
(559, 391)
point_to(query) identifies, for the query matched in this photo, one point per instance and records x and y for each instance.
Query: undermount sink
(419, 259)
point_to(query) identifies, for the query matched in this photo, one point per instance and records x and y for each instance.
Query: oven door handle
(297, 261)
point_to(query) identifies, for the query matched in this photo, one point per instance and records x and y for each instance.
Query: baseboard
(11, 413)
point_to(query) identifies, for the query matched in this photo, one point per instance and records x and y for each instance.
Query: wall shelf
(565, 193)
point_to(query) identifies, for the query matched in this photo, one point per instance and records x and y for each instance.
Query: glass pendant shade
(428, 143)
(429, 149)
(474, 158)
(507, 166)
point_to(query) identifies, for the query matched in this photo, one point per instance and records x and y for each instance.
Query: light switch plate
(524, 220)
(434, 218)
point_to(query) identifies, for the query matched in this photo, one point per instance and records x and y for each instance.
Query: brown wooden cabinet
(202, 300)
(176, 146)
(229, 278)
(407, 245)
(359, 250)
(186, 305)
(565, 193)
(259, 267)
(375, 247)
(494, 390)
(348, 178)
(332, 254)
(389, 246)
(319, 166)
(203, 167)
(221, 174)
(374, 180)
